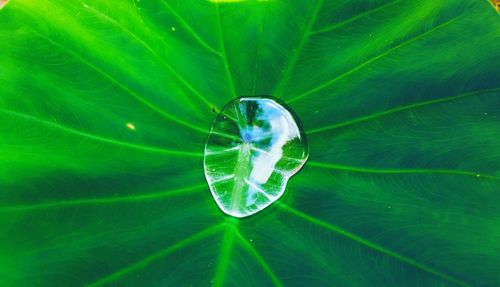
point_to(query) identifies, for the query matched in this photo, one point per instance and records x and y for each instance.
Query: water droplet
(256, 144)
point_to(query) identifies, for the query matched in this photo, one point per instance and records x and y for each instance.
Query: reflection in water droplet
(255, 146)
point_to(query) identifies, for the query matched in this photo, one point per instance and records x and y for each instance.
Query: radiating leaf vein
(355, 18)
(225, 253)
(400, 171)
(374, 59)
(225, 62)
(258, 49)
(120, 85)
(293, 60)
(400, 109)
(100, 138)
(160, 254)
(253, 251)
(179, 77)
(371, 245)
(104, 200)
(189, 28)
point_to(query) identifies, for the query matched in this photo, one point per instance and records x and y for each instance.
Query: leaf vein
(293, 60)
(371, 245)
(352, 19)
(158, 255)
(100, 138)
(103, 200)
(400, 109)
(373, 59)
(225, 253)
(189, 28)
(400, 171)
(156, 55)
(265, 266)
(120, 85)
(225, 62)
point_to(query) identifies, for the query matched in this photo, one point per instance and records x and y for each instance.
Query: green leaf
(105, 107)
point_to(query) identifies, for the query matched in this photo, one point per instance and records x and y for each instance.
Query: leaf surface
(105, 108)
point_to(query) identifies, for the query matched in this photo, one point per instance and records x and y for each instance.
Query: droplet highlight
(255, 145)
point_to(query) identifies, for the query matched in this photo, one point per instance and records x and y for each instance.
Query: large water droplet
(254, 147)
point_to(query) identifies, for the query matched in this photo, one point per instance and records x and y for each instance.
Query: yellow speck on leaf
(131, 126)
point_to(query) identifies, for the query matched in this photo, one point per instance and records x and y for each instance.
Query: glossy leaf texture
(105, 107)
